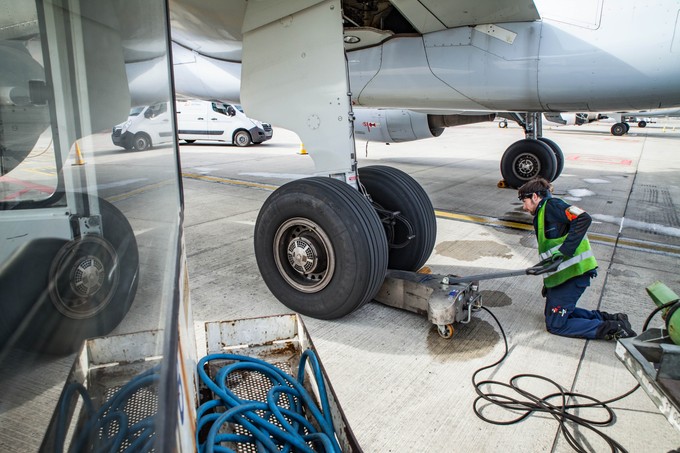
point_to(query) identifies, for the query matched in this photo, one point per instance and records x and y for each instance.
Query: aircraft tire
(642, 123)
(559, 156)
(320, 247)
(93, 282)
(618, 129)
(393, 190)
(526, 159)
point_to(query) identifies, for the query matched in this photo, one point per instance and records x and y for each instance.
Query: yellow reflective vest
(582, 261)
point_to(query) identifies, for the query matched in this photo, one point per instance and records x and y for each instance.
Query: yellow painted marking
(41, 172)
(132, 193)
(229, 181)
(483, 220)
(489, 221)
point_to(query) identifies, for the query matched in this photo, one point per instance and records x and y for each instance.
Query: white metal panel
(491, 71)
(263, 12)
(434, 15)
(405, 80)
(212, 27)
(294, 75)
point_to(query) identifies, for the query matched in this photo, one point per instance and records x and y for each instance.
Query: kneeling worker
(561, 232)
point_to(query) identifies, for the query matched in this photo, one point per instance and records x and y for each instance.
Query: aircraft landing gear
(620, 129)
(531, 157)
(527, 159)
(320, 247)
(323, 249)
(406, 212)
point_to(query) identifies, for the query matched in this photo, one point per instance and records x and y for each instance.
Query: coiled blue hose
(293, 431)
(94, 434)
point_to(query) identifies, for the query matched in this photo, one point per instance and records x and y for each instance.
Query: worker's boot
(613, 330)
(614, 316)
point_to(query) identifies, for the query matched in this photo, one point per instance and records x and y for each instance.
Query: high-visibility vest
(582, 261)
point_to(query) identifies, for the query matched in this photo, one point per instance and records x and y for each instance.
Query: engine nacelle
(401, 125)
(570, 119)
(23, 116)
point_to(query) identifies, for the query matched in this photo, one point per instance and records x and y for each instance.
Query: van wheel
(242, 138)
(141, 142)
(189, 141)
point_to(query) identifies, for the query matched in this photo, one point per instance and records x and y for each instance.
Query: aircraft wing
(435, 15)
(211, 29)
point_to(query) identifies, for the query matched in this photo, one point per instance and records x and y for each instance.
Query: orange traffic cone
(79, 156)
(303, 151)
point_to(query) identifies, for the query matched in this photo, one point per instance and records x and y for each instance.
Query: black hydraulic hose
(560, 410)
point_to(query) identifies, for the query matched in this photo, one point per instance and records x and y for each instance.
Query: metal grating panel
(250, 385)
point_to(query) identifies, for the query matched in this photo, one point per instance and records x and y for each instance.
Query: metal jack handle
(547, 265)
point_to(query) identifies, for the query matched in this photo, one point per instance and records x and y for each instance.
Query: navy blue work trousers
(562, 317)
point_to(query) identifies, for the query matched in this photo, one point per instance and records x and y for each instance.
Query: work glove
(557, 256)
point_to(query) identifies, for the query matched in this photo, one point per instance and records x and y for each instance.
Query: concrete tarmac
(404, 388)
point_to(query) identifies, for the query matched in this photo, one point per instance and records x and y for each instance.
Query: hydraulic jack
(445, 299)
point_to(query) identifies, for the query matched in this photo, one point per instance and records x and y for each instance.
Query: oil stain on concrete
(473, 250)
(470, 341)
(495, 299)
(529, 241)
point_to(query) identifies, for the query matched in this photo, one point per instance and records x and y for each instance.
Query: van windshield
(134, 111)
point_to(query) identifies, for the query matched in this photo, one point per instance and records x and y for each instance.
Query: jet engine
(400, 125)
(23, 116)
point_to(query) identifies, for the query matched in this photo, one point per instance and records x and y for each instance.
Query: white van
(196, 120)
(144, 128)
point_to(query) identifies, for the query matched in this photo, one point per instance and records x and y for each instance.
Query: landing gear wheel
(393, 190)
(242, 138)
(141, 142)
(445, 331)
(559, 156)
(526, 159)
(627, 126)
(642, 123)
(618, 129)
(93, 281)
(320, 247)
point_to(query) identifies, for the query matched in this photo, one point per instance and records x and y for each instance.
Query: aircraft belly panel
(453, 69)
(585, 69)
(487, 70)
(403, 79)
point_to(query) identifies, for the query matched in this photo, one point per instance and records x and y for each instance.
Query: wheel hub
(83, 277)
(527, 166)
(88, 276)
(302, 255)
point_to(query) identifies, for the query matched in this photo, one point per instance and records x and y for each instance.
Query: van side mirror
(231, 111)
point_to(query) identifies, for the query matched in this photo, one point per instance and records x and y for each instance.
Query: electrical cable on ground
(561, 409)
(288, 421)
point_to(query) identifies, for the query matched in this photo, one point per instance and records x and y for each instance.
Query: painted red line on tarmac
(27, 184)
(27, 187)
(600, 159)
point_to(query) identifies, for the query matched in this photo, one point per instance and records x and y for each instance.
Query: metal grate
(250, 385)
(142, 404)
